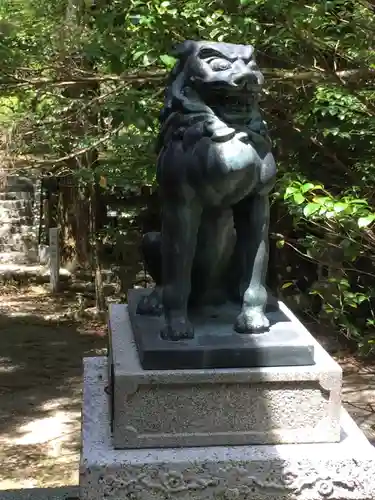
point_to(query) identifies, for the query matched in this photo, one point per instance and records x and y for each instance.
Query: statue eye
(220, 64)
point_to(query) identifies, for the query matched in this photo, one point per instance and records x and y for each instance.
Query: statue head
(213, 78)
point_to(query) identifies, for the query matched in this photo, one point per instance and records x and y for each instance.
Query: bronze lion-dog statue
(215, 170)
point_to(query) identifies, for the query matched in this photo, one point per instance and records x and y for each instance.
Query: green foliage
(80, 77)
(338, 235)
(318, 205)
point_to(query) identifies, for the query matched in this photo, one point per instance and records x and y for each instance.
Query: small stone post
(54, 258)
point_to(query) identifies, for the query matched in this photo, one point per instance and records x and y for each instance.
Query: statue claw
(177, 329)
(252, 321)
(219, 132)
(223, 135)
(151, 305)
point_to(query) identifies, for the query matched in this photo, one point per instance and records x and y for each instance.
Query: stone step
(16, 221)
(19, 257)
(23, 231)
(32, 272)
(16, 203)
(15, 238)
(16, 212)
(16, 195)
(20, 245)
(18, 183)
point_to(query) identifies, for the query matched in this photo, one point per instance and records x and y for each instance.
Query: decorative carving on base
(239, 482)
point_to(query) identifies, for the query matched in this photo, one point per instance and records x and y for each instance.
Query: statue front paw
(252, 320)
(151, 305)
(219, 131)
(178, 328)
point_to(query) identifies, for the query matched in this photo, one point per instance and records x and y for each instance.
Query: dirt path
(41, 350)
(359, 394)
(42, 343)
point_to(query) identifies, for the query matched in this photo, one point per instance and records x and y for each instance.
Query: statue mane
(183, 105)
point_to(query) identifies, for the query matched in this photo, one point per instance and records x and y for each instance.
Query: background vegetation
(81, 83)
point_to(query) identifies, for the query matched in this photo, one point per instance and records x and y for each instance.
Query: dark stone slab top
(216, 344)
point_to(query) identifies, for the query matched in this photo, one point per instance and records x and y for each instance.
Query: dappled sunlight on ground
(6, 366)
(42, 344)
(51, 430)
(359, 395)
(49, 441)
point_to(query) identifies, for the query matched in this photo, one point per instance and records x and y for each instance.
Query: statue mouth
(235, 84)
(231, 98)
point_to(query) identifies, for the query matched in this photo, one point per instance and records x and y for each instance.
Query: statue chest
(234, 171)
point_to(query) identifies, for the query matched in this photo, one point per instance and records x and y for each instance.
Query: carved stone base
(338, 471)
(236, 406)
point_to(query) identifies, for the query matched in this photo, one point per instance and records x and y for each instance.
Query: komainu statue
(215, 170)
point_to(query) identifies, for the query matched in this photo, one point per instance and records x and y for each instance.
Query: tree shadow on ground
(358, 392)
(359, 395)
(41, 351)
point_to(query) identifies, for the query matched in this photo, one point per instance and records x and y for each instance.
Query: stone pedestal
(265, 433)
(206, 407)
(336, 471)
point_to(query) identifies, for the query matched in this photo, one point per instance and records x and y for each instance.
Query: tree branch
(81, 80)
(77, 153)
(157, 75)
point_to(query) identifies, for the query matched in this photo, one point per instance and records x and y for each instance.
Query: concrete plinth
(336, 471)
(236, 406)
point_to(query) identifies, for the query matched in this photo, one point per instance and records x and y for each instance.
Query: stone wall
(19, 220)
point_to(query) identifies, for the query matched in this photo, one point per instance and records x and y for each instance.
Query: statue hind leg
(214, 251)
(151, 304)
(151, 252)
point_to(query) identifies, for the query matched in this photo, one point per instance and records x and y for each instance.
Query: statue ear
(184, 49)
